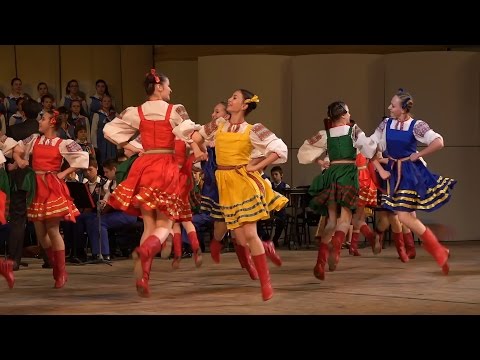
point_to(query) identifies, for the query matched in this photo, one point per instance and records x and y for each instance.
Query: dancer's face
(395, 107)
(220, 111)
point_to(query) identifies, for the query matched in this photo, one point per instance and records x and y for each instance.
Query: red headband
(155, 75)
(53, 119)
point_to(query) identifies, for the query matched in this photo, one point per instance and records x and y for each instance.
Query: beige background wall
(122, 67)
(88, 63)
(136, 61)
(7, 67)
(183, 82)
(268, 76)
(317, 81)
(36, 63)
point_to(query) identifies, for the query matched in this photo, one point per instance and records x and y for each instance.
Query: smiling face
(106, 102)
(236, 103)
(396, 107)
(220, 111)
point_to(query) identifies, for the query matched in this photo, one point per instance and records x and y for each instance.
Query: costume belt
(398, 162)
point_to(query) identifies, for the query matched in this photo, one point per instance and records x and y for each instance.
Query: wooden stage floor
(362, 285)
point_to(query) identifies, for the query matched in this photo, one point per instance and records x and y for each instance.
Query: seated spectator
(110, 218)
(280, 217)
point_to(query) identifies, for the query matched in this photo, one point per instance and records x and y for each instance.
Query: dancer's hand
(199, 155)
(414, 156)
(252, 168)
(356, 131)
(384, 174)
(22, 164)
(61, 175)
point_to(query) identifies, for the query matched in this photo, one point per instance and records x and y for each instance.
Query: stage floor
(361, 285)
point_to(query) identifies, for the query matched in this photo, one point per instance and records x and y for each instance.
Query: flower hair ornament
(254, 99)
(54, 118)
(155, 75)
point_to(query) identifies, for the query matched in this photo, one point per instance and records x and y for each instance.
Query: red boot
(215, 248)
(337, 241)
(177, 250)
(51, 260)
(319, 269)
(373, 239)
(145, 254)
(409, 245)
(61, 274)
(6, 270)
(400, 245)
(197, 252)
(439, 252)
(270, 252)
(353, 250)
(239, 250)
(245, 260)
(264, 275)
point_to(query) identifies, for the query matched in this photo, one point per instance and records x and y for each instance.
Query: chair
(296, 227)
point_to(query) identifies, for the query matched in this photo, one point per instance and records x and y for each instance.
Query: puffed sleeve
(27, 145)
(6, 145)
(73, 153)
(183, 127)
(123, 127)
(256, 154)
(137, 142)
(369, 146)
(313, 148)
(424, 134)
(209, 130)
(267, 143)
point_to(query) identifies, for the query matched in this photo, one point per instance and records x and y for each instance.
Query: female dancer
(151, 188)
(52, 202)
(411, 186)
(234, 141)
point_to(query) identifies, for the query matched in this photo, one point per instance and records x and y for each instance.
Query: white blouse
(7, 144)
(368, 145)
(314, 147)
(121, 129)
(69, 149)
(263, 140)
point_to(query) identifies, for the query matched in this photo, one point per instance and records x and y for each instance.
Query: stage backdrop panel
(39, 63)
(268, 76)
(318, 80)
(136, 61)
(183, 76)
(7, 67)
(445, 89)
(88, 63)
